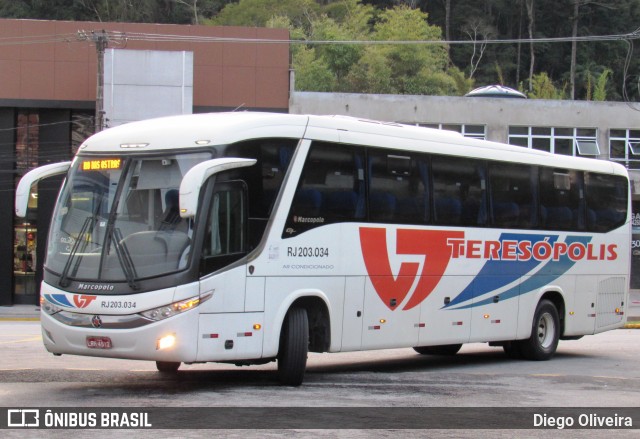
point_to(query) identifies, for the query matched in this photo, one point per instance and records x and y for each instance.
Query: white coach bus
(252, 237)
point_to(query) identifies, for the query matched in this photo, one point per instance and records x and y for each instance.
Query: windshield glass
(118, 219)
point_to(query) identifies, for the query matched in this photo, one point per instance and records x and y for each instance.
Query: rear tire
(168, 366)
(294, 347)
(445, 349)
(545, 333)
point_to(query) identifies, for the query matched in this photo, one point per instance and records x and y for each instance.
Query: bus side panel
(580, 318)
(228, 290)
(386, 325)
(494, 317)
(353, 307)
(440, 325)
(230, 336)
(611, 302)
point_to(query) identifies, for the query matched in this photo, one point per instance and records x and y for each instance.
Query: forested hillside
(555, 48)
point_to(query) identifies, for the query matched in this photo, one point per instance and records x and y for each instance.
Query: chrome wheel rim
(546, 330)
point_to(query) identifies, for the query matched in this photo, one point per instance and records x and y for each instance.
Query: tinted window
(265, 178)
(226, 227)
(561, 201)
(398, 187)
(606, 201)
(513, 200)
(331, 188)
(459, 191)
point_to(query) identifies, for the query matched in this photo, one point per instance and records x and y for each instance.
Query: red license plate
(99, 343)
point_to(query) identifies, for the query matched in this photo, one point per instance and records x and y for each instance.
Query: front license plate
(99, 343)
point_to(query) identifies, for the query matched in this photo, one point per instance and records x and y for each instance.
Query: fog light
(166, 342)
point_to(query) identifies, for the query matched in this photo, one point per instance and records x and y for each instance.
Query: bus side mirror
(196, 176)
(31, 178)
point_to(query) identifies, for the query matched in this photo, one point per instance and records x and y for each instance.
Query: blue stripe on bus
(498, 273)
(59, 299)
(546, 275)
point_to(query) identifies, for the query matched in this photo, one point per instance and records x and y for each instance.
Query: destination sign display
(101, 164)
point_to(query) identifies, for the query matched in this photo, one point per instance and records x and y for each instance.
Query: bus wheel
(168, 366)
(294, 346)
(545, 333)
(445, 349)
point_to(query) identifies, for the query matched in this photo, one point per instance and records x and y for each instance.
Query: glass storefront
(24, 261)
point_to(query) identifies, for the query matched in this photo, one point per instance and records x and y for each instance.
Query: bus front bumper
(172, 339)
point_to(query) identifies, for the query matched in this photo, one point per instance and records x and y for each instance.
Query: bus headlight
(48, 307)
(173, 309)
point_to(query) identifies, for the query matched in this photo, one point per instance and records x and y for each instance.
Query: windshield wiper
(124, 257)
(64, 277)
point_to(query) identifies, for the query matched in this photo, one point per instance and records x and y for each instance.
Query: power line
(138, 36)
(123, 37)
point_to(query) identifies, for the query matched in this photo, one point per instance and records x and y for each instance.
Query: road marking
(610, 378)
(19, 319)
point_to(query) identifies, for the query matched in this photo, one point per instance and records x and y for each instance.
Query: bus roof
(201, 130)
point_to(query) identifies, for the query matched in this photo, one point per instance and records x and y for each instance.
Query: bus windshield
(118, 219)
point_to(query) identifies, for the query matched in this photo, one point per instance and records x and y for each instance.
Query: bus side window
(398, 187)
(331, 188)
(561, 199)
(607, 201)
(512, 188)
(226, 226)
(459, 191)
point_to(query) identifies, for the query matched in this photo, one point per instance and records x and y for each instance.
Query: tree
(530, 17)
(478, 31)
(407, 68)
(542, 87)
(600, 89)
(575, 17)
(145, 11)
(258, 12)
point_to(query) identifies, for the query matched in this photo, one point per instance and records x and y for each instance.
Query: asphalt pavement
(32, 312)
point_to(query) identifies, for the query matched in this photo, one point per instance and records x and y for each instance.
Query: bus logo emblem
(96, 321)
(431, 244)
(83, 300)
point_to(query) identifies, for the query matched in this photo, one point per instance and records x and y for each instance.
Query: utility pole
(101, 40)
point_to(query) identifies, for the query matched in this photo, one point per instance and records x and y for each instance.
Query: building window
(624, 147)
(473, 131)
(27, 141)
(581, 142)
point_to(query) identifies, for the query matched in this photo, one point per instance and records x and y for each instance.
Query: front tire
(445, 349)
(545, 333)
(294, 347)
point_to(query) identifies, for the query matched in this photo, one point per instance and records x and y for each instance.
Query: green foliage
(600, 89)
(138, 11)
(377, 68)
(404, 68)
(312, 73)
(543, 88)
(463, 84)
(257, 13)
